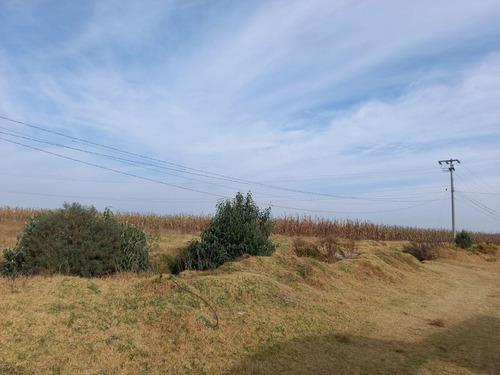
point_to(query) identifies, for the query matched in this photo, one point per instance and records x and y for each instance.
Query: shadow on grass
(473, 346)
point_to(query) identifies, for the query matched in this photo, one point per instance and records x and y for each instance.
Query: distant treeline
(287, 226)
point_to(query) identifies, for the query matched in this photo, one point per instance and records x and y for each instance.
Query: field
(383, 312)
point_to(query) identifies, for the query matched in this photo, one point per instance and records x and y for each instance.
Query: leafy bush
(239, 227)
(77, 240)
(13, 262)
(422, 251)
(134, 254)
(463, 239)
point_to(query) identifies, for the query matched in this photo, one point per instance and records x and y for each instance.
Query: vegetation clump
(422, 251)
(303, 248)
(78, 241)
(485, 248)
(463, 240)
(239, 227)
(328, 249)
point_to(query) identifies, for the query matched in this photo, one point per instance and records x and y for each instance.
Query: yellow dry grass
(9, 230)
(277, 315)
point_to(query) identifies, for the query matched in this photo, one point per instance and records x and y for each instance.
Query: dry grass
(485, 248)
(128, 325)
(278, 314)
(272, 319)
(9, 230)
(423, 251)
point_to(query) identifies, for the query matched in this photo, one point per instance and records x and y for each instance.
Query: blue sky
(337, 109)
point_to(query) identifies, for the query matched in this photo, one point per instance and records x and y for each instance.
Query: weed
(333, 248)
(94, 288)
(328, 249)
(422, 251)
(342, 337)
(305, 269)
(303, 248)
(437, 322)
(485, 248)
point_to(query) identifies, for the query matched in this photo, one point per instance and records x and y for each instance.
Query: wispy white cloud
(263, 89)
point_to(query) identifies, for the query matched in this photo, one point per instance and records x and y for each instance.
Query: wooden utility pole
(451, 168)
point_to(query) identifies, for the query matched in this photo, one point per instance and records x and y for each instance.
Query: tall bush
(463, 239)
(238, 227)
(77, 240)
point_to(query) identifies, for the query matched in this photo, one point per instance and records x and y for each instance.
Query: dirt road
(453, 328)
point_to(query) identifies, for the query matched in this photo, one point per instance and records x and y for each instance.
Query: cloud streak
(262, 91)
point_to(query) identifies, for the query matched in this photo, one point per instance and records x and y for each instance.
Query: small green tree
(463, 239)
(77, 240)
(239, 227)
(13, 262)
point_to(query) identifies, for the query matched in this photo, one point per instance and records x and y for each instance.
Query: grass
(277, 314)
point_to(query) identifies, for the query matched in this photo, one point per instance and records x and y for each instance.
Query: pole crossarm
(449, 162)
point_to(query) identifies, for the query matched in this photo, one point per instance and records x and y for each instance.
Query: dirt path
(451, 329)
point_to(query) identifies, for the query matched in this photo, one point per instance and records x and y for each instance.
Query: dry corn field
(286, 226)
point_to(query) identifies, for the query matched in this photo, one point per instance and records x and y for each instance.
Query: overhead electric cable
(477, 208)
(110, 157)
(197, 190)
(484, 182)
(100, 198)
(114, 170)
(480, 205)
(184, 169)
(355, 212)
(144, 164)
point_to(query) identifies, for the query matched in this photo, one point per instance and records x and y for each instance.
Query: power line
(99, 198)
(110, 157)
(201, 191)
(480, 206)
(474, 206)
(355, 212)
(184, 169)
(484, 182)
(471, 183)
(114, 170)
(143, 164)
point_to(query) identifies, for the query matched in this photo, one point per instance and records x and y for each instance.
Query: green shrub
(134, 254)
(77, 240)
(463, 240)
(13, 262)
(239, 227)
(422, 251)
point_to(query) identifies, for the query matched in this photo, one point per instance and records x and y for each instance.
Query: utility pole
(451, 168)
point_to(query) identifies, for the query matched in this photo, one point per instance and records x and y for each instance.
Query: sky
(332, 109)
